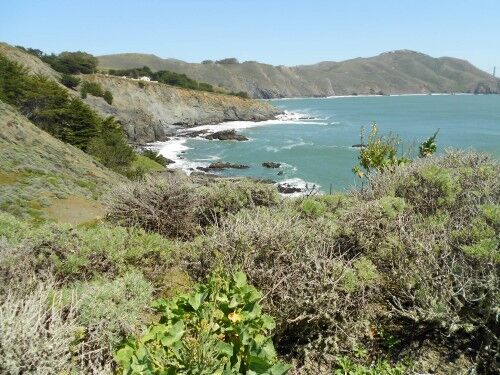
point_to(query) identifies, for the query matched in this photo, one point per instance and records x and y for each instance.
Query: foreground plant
(217, 329)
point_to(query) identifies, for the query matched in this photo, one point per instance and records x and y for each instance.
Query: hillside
(397, 72)
(151, 112)
(42, 177)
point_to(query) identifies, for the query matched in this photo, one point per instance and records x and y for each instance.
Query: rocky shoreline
(174, 149)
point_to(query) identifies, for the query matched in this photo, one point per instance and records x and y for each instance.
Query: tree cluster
(51, 108)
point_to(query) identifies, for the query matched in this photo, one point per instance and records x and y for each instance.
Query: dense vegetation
(66, 117)
(197, 276)
(398, 277)
(67, 62)
(170, 78)
(164, 76)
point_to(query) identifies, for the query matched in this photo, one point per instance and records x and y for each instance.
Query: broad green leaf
(195, 300)
(225, 348)
(280, 368)
(258, 364)
(268, 322)
(174, 334)
(240, 279)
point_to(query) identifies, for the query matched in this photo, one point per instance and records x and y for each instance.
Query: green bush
(110, 147)
(112, 310)
(70, 81)
(92, 88)
(72, 62)
(221, 198)
(65, 254)
(154, 155)
(108, 97)
(345, 366)
(218, 328)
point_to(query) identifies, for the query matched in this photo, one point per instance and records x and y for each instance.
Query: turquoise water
(319, 151)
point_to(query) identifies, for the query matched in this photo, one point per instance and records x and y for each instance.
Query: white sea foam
(296, 144)
(286, 117)
(173, 149)
(298, 183)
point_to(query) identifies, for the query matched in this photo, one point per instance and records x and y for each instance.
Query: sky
(279, 32)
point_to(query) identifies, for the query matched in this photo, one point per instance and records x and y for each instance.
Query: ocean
(313, 142)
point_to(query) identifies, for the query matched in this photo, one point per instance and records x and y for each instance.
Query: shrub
(72, 62)
(176, 207)
(153, 155)
(299, 268)
(70, 81)
(380, 153)
(112, 310)
(108, 97)
(217, 328)
(168, 205)
(29, 254)
(36, 333)
(92, 88)
(221, 198)
(313, 208)
(428, 147)
(111, 148)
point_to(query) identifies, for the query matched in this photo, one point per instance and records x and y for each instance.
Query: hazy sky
(285, 32)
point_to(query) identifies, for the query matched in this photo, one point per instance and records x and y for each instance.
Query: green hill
(42, 177)
(397, 72)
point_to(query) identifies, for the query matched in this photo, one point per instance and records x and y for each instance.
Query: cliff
(396, 72)
(151, 111)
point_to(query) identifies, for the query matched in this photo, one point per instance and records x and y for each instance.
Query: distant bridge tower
(494, 70)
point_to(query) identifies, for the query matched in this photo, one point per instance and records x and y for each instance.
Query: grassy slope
(394, 72)
(41, 176)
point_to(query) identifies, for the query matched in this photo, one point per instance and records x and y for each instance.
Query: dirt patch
(9, 178)
(74, 210)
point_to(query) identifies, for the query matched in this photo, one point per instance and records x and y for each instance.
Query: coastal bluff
(150, 111)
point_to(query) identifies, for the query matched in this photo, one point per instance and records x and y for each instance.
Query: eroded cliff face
(151, 111)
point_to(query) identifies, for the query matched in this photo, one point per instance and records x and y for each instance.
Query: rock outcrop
(223, 165)
(226, 135)
(271, 164)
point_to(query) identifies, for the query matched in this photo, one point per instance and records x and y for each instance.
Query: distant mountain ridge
(396, 72)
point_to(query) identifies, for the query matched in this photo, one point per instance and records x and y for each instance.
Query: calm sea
(318, 150)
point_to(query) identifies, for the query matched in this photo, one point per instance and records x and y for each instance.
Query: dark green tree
(80, 124)
(110, 147)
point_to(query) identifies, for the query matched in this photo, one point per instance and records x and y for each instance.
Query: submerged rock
(222, 165)
(358, 145)
(226, 135)
(271, 164)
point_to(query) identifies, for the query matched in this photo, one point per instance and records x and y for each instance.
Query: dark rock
(226, 135)
(280, 173)
(222, 165)
(192, 134)
(288, 189)
(204, 169)
(271, 164)
(358, 145)
(169, 161)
